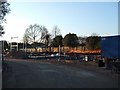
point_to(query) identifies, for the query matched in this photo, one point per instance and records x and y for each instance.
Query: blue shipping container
(110, 46)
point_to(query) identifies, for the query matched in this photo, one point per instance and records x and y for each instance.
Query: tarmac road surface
(38, 74)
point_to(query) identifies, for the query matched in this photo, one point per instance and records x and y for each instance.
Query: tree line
(39, 34)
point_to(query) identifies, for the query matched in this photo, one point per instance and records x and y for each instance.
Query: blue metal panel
(110, 46)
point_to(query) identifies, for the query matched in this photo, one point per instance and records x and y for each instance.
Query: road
(37, 74)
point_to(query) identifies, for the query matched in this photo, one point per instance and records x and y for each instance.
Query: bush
(17, 55)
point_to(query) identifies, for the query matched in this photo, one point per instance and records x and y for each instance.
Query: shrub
(17, 54)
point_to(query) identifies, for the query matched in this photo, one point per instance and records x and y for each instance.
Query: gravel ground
(86, 65)
(50, 74)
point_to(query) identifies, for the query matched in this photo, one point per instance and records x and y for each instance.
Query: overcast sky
(81, 18)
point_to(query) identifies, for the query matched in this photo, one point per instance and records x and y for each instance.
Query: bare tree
(55, 31)
(82, 39)
(44, 32)
(94, 34)
(25, 38)
(33, 34)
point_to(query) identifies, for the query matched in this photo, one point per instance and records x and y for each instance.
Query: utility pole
(17, 43)
(11, 44)
(25, 46)
(59, 53)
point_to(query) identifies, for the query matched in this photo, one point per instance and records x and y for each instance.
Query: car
(52, 55)
(57, 54)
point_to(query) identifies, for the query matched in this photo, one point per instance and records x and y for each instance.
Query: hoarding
(110, 47)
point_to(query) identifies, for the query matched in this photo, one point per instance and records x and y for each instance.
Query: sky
(81, 18)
